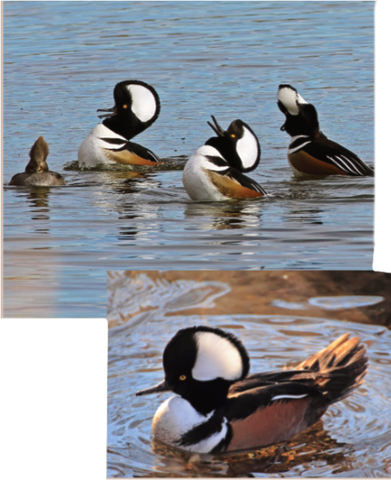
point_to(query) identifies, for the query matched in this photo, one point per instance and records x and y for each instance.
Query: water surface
(225, 59)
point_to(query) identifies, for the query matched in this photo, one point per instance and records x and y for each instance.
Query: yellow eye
(124, 106)
(233, 135)
(182, 377)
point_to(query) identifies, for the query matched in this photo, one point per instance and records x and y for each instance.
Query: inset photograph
(234, 373)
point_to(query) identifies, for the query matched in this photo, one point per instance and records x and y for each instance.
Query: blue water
(61, 62)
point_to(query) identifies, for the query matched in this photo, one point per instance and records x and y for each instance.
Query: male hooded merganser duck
(214, 172)
(310, 151)
(219, 408)
(37, 172)
(137, 106)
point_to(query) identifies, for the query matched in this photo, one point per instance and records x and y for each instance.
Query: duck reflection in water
(229, 215)
(314, 445)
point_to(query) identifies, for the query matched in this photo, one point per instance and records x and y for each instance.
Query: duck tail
(338, 369)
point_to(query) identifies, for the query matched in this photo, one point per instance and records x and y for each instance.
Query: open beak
(160, 387)
(105, 115)
(282, 108)
(216, 127)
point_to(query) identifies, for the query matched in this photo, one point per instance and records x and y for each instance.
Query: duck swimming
(215, 171)
(310, 151)
(219, 407)
(137, 106)
(37, 172)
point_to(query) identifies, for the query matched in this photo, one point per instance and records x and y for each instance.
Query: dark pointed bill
(106, 115)
(216, 127)
(160, 387)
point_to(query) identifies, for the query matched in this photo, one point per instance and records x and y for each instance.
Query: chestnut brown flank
(231, 188)
(128, 158)
(272, 424)
(305, 163)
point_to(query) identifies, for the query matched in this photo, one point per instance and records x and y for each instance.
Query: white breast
(175, 417)
(195, 177)
(91, 151)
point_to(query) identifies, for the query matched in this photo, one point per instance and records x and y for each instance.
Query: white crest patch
(247, 148)
(290, 99)
(300, 99)
(216, 357)
(143, 102)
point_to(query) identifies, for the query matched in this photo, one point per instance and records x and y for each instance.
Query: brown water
(353, 439)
